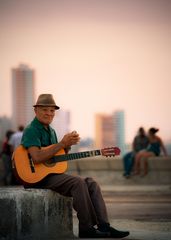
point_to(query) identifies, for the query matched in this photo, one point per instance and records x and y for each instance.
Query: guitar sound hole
(49, 163)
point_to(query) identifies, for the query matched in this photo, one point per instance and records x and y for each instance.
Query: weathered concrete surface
(34, 214)
(110, 170)
(142, 209)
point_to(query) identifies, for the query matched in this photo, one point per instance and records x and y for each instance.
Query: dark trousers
(128, 161)
(87, 197)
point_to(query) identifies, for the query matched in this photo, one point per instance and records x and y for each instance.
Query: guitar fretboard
(72, 156)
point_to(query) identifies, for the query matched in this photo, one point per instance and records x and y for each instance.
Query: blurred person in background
(153, 149)
(140, 142)
(6, 177)
(16, 137)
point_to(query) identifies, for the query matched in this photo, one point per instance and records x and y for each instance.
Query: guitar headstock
(110, 151)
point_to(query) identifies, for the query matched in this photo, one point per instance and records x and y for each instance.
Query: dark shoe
(127, 176)
(118, 234)
(112, 232)
(93, 233)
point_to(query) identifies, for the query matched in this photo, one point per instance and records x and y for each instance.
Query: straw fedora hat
(46, 100)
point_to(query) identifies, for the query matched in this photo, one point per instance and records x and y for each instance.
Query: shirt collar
(38, 124)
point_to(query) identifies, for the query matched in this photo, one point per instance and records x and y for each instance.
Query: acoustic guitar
(29, 172)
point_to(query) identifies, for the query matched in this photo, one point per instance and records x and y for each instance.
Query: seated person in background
(153, 149)
(140, 142)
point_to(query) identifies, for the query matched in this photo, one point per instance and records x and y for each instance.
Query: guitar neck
(74, 156)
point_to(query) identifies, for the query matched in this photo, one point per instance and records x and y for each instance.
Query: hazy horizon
(94, 56)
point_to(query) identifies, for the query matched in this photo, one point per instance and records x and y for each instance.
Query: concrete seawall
(34, 214)
(110, 170)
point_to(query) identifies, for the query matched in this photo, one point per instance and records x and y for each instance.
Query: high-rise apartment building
(23, 95)
(110, 130)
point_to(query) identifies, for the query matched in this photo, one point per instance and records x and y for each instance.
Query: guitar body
(28, 172)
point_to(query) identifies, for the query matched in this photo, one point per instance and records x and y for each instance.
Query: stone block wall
(34, 214)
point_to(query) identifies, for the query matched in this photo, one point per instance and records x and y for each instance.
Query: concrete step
(136, 189)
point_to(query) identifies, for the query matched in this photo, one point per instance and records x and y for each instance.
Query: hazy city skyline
(95, 56)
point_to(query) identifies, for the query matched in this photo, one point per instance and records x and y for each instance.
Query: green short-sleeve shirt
(35, 134)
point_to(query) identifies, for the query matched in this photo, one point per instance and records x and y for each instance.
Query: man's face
(45, 114)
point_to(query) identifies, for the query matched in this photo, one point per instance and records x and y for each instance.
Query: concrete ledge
(159, 163)
(34, 214)
(116, 163)
(96, 163)
(110, 170)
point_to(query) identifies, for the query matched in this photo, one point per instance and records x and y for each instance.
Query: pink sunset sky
(94, 56)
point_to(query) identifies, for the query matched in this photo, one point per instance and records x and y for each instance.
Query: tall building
(23, 95)
(104, 136)
(119, 129)
(110, 130)
(61, 123)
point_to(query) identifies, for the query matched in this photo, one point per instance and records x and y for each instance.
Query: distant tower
(119, 129)
(110, 130)
(61, 123)
(104, 131)
(23, 95)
